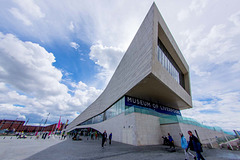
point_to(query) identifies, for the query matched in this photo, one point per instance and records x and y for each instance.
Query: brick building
(18, 126)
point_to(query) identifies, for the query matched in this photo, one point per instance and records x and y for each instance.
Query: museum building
(150, 86)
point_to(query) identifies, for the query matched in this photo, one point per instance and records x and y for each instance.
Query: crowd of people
(193, 144)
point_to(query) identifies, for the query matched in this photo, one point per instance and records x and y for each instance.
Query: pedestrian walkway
(55, 148)
(91, 149)
(12, 148)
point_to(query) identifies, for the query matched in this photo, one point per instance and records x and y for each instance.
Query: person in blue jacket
(184, 146)
(195, 145)
(171, 142)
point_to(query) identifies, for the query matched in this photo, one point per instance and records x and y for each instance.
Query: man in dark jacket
(195, 145)
(104, 138)
(110, 138)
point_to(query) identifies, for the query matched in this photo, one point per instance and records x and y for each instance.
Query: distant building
(11, 125)
(18, 126)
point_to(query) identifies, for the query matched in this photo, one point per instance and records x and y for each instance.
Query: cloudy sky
(57, 56)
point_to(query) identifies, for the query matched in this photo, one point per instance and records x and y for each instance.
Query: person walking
(195, 145)
(96, 135)
(184, 146)
(104, 137)
(110, 138)
(171, 142)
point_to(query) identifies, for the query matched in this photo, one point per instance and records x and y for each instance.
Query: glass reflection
(114, 110)
(168, 63)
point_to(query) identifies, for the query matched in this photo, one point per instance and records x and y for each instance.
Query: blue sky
(58, 56)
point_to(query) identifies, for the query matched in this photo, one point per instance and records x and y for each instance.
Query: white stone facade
(141, 75)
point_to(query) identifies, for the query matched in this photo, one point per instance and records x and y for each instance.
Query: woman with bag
(184, 146)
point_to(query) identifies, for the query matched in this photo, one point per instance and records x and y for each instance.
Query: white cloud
(30, 69)
(199, 72)
(206, 48)
(89, 21)
(82, 59)
(84, 95)
(7, 111)
(183, 14)
(213, 55)
(196, 7)
(15, 12)
(221, 111)
(236, 67)
(71, 26)
(107, 58)
(28, 78)
(95, 22)
(235, 18)
(30, 8)
(27, 11)
(74, 45)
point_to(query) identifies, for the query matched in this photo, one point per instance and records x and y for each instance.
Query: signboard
(131, 101)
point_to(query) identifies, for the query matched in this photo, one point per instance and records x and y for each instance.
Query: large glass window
(118, 108)
(114, 110)
(98, 118)
(169, 64)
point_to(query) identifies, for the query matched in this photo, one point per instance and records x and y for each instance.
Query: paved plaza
(54, 148)
(12, 148)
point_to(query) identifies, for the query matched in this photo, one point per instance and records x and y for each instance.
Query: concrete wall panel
(134, 66)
